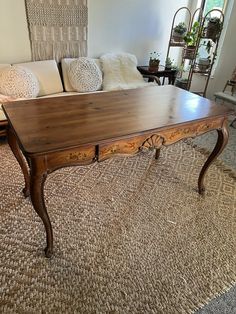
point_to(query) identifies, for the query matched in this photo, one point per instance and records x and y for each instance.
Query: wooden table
(77, 130)
(161, 72)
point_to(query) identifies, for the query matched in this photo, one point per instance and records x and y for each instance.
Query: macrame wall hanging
(57, 28)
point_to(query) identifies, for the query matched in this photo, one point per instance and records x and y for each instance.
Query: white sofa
(52, 83)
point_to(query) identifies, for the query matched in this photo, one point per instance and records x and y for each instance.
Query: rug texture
(132, 235)
(57, 28)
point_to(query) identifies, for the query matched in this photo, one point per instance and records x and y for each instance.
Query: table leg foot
(37, 198)
(223, 136)
(48, 252)
(201, 190)
(19, 157)
(26, 192)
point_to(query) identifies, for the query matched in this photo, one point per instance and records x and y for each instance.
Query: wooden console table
(162, 72)
(79, 130)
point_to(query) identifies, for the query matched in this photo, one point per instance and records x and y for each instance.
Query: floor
(226, 303)
(208, 141)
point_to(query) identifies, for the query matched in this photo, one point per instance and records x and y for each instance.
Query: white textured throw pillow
(84, 75)
(18, 82)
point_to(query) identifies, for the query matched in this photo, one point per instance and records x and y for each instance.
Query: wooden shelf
(177, 44)
(200, 71)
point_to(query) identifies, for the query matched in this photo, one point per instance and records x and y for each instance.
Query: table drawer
(130, 146)
(76, 156)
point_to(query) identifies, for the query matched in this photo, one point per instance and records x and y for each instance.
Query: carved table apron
(45, 162)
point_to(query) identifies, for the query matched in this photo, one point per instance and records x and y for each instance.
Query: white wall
(14, 42)
(136, 26)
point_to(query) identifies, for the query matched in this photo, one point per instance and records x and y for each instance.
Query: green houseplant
(213, 28)
(168, 63)
(179, 32)
(192, 36)
(154, 61)
(191, 39)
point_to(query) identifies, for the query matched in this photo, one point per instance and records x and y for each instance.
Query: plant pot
(189, 52)
(168, 68)
(212, 31)
(179, 38)
(182, 83)
(153, 65)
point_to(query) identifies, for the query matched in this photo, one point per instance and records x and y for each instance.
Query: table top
(52, 124)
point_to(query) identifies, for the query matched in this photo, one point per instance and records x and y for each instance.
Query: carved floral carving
(192, 130)
(155, 141)
(76, 156)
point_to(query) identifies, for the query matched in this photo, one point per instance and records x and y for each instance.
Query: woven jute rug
(132, 235)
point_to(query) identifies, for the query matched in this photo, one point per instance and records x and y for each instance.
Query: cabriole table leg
(37, 199)
(12, 141)
(223, 136)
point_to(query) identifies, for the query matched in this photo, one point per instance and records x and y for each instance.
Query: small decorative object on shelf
(179, 32)
(154, 61)
(213, 28)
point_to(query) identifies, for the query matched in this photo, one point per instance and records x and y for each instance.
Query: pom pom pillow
(85, 75)
(19, 82)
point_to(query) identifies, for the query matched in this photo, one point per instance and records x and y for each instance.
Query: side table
(161, 72)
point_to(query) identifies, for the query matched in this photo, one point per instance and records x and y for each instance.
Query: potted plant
(179, 32)
(191, 39)
(168, 63)
(154, 61)
(214, 27)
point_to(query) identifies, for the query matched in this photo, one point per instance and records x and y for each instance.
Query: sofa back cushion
(85, 75)
(65, 64)
(47, 74)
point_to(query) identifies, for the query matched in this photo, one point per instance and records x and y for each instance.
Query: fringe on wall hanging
(57, 28)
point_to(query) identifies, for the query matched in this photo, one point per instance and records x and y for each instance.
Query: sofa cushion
(47, 74)
(18, 81)
(120, 72)
(85, 75)
(65, 63)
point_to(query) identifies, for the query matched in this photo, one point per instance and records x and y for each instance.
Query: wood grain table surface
(76, 130)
